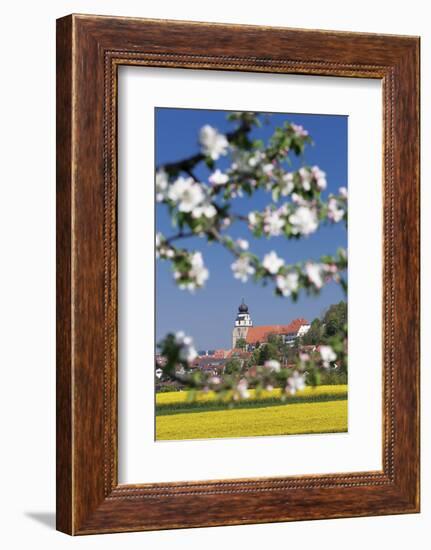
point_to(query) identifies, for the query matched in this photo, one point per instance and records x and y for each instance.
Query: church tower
(242, 323)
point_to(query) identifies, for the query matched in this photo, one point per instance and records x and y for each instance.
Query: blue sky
(208, 314)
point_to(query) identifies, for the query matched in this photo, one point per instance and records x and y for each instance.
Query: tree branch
(187, 165)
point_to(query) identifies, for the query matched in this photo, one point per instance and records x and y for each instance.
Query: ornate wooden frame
(89, 51)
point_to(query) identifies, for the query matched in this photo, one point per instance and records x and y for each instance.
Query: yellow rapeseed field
(171, 398)
(283, 419)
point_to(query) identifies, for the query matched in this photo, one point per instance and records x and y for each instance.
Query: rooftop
(261, 333)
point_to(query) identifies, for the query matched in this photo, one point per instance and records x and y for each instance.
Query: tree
(315, 334)
(241, 343)
(335, 319)
(233, 366)
(296, 209)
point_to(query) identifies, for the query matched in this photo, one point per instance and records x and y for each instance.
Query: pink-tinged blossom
(272, 263)
(213, 143)
(297, 199)
(330, 268)
(242, 268)
(320, 177)
(299, 130)
(295, 383)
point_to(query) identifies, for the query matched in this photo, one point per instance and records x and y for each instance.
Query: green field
(314, 410)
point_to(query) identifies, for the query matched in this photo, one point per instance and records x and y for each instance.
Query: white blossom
(186, 193)
(314, 273)
(240, 161)
(305, 178)
(268, 169)
(242, 389)
(159, 240)
(320, 177)
(295, 383)
(256, 158)
(242, 244)
(213, 143)
(273, 223)
(343, 192)
(272, 364)
(187, 351)
(242, 268)
(198, 271)
(286, 185)
(287, 283)
(335, 213)
(328, 355)
(163, 250)
(218, 178)
(162, 181)
(253, 220)
(272, 263)
(304, 220)
(205, 209)
(159, 373)
(179, 337)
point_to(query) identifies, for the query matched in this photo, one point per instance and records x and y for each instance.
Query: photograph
(251, 274)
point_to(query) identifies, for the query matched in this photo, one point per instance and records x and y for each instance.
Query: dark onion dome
(243, 308)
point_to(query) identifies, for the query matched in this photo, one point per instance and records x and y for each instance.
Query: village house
(255, 335)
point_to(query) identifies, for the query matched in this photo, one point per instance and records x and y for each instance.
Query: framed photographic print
(237, 274)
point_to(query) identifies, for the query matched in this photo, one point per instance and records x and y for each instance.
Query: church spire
(242, 323)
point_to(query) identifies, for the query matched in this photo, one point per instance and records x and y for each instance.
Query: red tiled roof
(260, 334)
(238, 352)
(220, 353)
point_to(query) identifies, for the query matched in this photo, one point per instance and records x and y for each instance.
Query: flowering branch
(205, 209)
